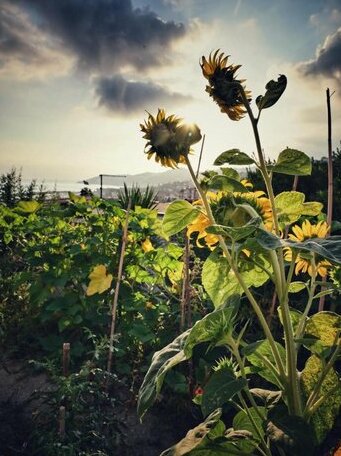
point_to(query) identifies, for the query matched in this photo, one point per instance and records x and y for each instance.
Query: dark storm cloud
(106, 34)
(118, 95)
(14, 33)
(327, 61)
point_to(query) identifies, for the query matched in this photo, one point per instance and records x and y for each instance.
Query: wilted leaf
(274, 90)
(194, 437)
(162, 362)
(100, 281)
(325, 327)
(323, 419)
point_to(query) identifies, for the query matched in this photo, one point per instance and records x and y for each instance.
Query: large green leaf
(323, 419)
(243, 422)
(325, 327)
(233, 157)
(216, 327)
(230, 172)
(220, 281)
(220, 388)
(226, 184)
(290, 432)
(259, 354)
(293, 162)
(178, 215)
(290, 206)
(236, 233)
(329, 248)
(28, 207)
(162, 361)
(274, 90)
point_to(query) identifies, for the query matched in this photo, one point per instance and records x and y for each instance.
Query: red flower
(198, 391)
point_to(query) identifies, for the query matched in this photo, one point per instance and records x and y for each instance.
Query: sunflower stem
(233, 266)
(293, 393)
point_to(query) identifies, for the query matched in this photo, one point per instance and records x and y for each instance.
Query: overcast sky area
(77, 77)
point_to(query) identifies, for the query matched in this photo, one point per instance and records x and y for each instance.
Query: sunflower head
(224, 87)
(168, 139)
(304, 260)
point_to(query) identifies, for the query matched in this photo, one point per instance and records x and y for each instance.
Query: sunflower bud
(223, 86)
(168, 139)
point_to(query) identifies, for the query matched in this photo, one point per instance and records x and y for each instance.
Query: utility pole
(101, 181)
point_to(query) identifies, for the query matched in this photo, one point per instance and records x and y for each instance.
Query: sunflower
(168, 139)
(225, 212)
(199, 225)
(223, 86)
(303, 260)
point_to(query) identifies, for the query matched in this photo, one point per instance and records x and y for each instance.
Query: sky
(78, 76)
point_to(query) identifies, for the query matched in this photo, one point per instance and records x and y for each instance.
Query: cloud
(26, 51)
(327, 61)
(119, 95)
(106, 35)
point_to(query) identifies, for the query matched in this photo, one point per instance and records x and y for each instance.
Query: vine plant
(244, 231)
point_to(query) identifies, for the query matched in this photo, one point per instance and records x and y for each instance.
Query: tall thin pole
(117, 290)
(330, 162)
(101, 186)
(200, 156)
(330, 179)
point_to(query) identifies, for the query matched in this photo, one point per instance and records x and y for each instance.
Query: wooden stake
(117, 289)
(61, 430)
(330, 182)
(66, 359)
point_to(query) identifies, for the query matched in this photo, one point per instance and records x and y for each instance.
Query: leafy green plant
(145, 198)
(91, 422)
(12, 189)
(297, 406)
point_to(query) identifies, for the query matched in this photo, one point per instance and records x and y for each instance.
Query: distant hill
(144, 179)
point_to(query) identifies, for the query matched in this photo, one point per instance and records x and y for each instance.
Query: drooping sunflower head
(224, 87)
(169, 139)
(228, 213)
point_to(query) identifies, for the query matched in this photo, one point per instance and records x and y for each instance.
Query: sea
(62, 188)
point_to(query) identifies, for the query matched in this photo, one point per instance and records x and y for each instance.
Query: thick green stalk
(249, 295)
(303, 319)
(294, 396)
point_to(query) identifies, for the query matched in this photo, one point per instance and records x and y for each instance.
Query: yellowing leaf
(100, 281)
(147, 246)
